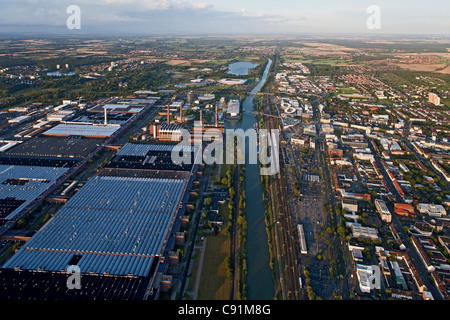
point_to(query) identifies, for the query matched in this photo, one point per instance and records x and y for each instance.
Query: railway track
(291, 282)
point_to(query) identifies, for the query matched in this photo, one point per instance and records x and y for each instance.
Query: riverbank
(259, 275)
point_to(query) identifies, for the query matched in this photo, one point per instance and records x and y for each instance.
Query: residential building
(423, 228)
(404, 209)
(445, 242)
(434, 99)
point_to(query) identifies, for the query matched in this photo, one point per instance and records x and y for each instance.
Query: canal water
(259, 275)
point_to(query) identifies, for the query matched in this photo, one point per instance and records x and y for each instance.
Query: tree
(341, 231)
(224, 181)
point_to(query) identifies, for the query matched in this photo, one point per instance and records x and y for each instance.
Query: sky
(199, 17)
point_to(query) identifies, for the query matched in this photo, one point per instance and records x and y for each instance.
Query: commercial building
(310, 130)
(60, 115)
(116, 108)
(232, 82)
(359, 231)
(233, 107)
(299, 140)
(350, 205)
(206, 97)
(354, 141)
(364, 156)
(366, 275)
(383, 210)
(433, 210)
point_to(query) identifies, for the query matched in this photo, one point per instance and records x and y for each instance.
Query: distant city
(93, 206)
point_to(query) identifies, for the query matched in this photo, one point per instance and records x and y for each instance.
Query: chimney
(168, 113)
(181, 113)
(216, 116)
(201, 118)
(106, 120)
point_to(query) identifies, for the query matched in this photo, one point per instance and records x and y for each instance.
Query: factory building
(20, 185)
(114, 225)
(82, 130)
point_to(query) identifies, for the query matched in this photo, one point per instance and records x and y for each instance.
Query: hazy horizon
(213, 17)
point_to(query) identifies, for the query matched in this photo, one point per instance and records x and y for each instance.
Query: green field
(214, 283)
(331, 62)
(347, 91)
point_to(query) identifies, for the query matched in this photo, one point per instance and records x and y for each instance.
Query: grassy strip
(268, 214)
(242, 222)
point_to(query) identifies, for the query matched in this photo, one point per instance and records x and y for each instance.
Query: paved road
(199, 269)
(200, 201)
(421, 268)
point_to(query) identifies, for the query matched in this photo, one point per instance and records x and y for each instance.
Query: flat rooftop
(136, 149)
(20, 185)
(118, 225)
(30, 285)
(83, 130)
(72, 147)
(37, 161)
(151, 157)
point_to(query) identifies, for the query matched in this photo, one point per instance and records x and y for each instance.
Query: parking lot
(308, 210)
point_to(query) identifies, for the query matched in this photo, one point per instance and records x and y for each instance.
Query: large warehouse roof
(141, 150)
(72, 147)
(82, 130)
(24, 183)
(118, 225)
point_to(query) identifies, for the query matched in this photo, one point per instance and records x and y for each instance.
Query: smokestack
(106, 119)
(181, 113)
(168, 113)
(201, 118)
(216, 116)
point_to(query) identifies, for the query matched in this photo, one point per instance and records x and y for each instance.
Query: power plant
(172, 130)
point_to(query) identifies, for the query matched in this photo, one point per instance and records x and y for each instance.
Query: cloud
(271, 18)
(101, 13)
(202, 17)
(157, 4)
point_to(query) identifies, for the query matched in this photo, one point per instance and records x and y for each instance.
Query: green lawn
(332, 62)
(214, 284)
(347, 91)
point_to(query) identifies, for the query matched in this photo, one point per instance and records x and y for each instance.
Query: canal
(259, 275)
